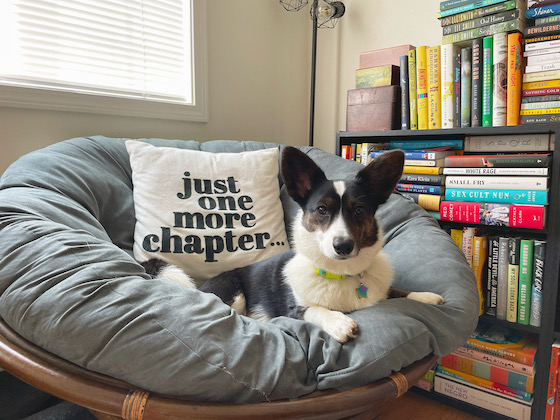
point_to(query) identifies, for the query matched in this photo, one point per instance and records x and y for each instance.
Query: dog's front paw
(426, 297)
(341, 327)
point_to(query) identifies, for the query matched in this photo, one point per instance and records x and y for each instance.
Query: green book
(461, 37)
(487, 77)
(525, 281)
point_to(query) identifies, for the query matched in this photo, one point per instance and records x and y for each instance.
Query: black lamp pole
(313, 71)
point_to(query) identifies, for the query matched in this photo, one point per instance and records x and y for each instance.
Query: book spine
(480, 251)
(525, 280)
(539, 39)
(552, 43)
(426, 201)
(533, 119)
(466, 65)
(514, 78)
(540, 60)
(426, 170)
(422, 87)
(449, 4)
(421, 162)
(476, 83)
(495, 214)
(508, 143)
(540, 105)
(420, 188)
(539, 52)
(497, 196)
(541, 30)
(469, 233)
(539, 250)
(547, 20)
(412, 154)
(541, 111)
(492, 276)
(499, 82)
(552, 382)
(434, 87)
(512, 25)
(495, 360)
(480, 22)
(513, 279)
(503, 243)
(457, 236)
(422, 179)
(425, 145)
(541, 68)
(487, 70)
(498, 161)
(481, 12)
(543, 84)
(541, 76)
(480, 398)
(456, 89)
(448, 52)
(540, 92)
(536, 183)
(539, 12)
(496, 171)
(540, 98)
(377, 76)
(412, 94)
(466, 7)
(405, 110)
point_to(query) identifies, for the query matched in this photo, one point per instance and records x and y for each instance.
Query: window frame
(58, 100)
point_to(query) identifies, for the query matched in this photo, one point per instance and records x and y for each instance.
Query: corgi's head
(337, 220)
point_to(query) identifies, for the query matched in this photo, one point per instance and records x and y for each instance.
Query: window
(130, 57)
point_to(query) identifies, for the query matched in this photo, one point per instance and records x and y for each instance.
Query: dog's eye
(358, 211)
(322, 210)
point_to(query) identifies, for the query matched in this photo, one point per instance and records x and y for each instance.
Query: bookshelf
(548, 330)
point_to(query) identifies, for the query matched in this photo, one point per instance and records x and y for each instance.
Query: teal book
(497, 196)
(487, 79)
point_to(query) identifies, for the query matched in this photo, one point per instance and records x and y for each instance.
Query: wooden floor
(414, 406)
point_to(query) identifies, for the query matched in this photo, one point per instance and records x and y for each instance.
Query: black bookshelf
(547, 331)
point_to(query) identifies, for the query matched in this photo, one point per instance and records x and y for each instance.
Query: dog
(337, 265)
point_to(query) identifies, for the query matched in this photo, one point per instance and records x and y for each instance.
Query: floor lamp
(324, 14)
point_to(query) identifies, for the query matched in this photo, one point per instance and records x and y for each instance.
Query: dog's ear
(381, 175)
(300, 174)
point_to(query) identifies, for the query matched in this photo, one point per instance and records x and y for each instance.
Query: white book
(542, 67)
(538, 183)
(472, 394)
(542, 45)
(448, 52)
(499, 79)
(496, 171)
(541, 105)
(537, 60)
(541, 51)
(509, 143)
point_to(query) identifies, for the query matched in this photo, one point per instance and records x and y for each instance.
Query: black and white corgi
(337, 264)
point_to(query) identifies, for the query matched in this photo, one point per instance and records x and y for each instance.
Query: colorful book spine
(412, 93)
(525, 281)
(513, 279)
(467, 7)
(457, 236)
(425, 144)
(497, 196)
(539, 12)
(480, 252)
(426, 201)
(535, 119)
(434, 87)
(540, 105)
(551, 404)
(495, 360)
(448, 54)
(405, 109)
(467, 247)
(514, 78)
(541, 76)
(501, 304)
(459, 37)
(476, 83)
(482, 12)
(481, 21)
(422, 179)
(420, 188)
(496, 171)
(542, 111)
(487, 78)
(541, 30)
(422, 86)
(495, 214)
(425, 170)
(543, 84)
(538, 160)
(417, 154)
(539, 250)
(536, 183)
(499, 82)
(492, 277)
(466, 67)
(377, 76)
(456, 89)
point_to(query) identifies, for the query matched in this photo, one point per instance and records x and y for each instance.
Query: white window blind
(133, 49)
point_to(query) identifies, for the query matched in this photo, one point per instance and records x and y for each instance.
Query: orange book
(514, 77)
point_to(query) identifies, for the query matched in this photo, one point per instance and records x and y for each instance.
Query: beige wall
(367, 25)
(258, 61)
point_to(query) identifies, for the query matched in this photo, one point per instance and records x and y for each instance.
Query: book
(497, 196)
(499, 79)
(426, 201)
(540, 105)
(525, 281)
(434, 87)
(422, 179)
(476, 83)
(539, 39)
(425, 144)
(377, 76)
(422, 87)
(513, 279)
(541, 111)
(420, 188)
(412, 93)
(467, 246)
(509, 143)
(518, 381)
(449, 4)
(457, 236)
(492, 276)
(366, 150)
(482, 11)
(481, 21)
(537, 183)
(541, 30)
(384, 56)
(539, 250)
(500, 161)
(461, 37)
(494, 214)
(480, 252)
(481, 397)
(541, 76)
(551, 404)
(501, 302)
(495, 360)
(553, 43)
(535, 119)
(487, 79)
(456, 89)
(467, 7)
(541, 69)
(466, 67)
(543, 84)
(405, 106)
(437, 153)
(540, 59)
(496, 171)
(540, 92)
(542, 51)
(538, 12)
(514, 78)
(448, 54)
(424, 162)
(503, 341)
(425, 170)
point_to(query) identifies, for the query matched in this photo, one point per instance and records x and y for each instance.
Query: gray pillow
(69, 284)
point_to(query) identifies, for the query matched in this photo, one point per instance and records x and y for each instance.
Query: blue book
(538, 12)
(497, 196)
(421, 188)
(418, 154)
(425, 144)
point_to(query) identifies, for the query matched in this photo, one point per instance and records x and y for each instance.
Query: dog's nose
(343, 245)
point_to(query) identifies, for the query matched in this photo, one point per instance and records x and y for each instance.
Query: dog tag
(362, 291)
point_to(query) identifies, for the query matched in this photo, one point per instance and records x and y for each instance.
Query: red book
(496, 214)
(520, 160)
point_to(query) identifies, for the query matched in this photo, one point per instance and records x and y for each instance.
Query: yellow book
(422, 87)
(457, 236)
(377, 76)
(541, 76)
(424, 170)
(540, 111)
(480, 252)
(434, 87)
(412, 94)
(542, 84)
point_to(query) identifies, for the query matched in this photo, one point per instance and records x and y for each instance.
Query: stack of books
(494, 370)
(541, 80)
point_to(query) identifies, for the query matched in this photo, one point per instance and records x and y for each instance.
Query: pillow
(206, 212)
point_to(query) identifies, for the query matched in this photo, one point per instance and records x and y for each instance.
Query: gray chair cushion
(69, 284)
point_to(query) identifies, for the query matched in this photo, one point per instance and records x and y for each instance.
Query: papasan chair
(80, 318)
